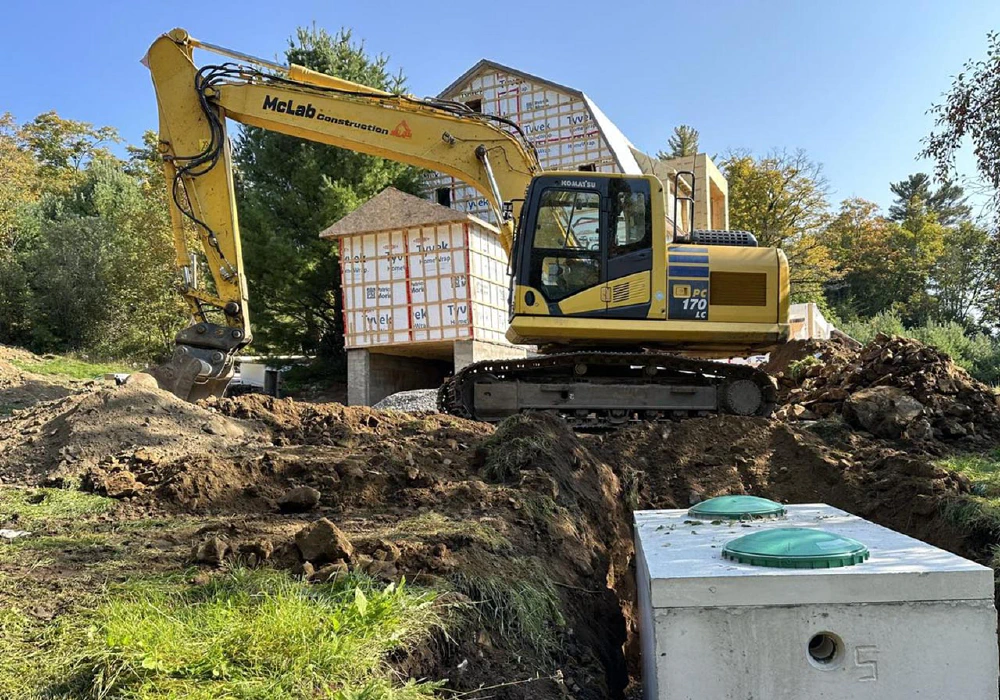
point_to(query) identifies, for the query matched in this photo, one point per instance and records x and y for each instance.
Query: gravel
(410, 401)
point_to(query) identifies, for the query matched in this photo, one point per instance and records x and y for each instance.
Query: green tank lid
(736, 508)
(796, 548)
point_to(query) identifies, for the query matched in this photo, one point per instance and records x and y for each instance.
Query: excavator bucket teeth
(190, 378)
(202, 364)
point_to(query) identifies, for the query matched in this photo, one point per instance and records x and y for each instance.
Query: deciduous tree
(885, 265)
(782, 199)
(969, 111)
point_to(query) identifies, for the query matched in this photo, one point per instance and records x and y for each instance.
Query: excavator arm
(487, 152)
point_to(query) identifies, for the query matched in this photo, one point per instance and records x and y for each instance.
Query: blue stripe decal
(689, 259)
(686, 249)
(687, 271)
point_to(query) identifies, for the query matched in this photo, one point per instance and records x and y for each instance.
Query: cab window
(566, 247)
(631, 220)
(568, 219)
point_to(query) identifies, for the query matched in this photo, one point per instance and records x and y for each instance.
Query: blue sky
(850, 81)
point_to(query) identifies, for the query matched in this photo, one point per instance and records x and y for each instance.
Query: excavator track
(597, 390)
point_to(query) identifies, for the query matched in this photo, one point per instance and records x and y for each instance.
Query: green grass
(508, 451)
(983, 470)
(798, 368)
(37, 656)
(249, 634)
(981, 510)
(523, 611)
(69, 367)
(432, 525)
(25, 509)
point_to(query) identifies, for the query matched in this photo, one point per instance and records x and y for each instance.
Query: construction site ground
(272, 548)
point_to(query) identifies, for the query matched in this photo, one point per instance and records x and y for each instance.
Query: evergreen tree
(683, 142)
(288, 190)
(914, 197)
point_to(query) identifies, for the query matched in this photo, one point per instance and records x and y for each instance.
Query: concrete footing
(373, 375)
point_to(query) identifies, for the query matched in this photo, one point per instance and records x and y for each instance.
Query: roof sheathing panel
(391, 209)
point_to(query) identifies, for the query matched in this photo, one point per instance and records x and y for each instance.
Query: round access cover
(796, 548)
(737, 508)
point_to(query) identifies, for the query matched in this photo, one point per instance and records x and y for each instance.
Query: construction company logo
(307, 111)
(590, 184)
(402, 130)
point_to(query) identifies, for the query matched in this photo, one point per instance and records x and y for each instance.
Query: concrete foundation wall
(372, 376)
(469, 351)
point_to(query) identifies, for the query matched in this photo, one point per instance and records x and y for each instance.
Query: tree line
(86, 262)
(926, 267)
(87, 265)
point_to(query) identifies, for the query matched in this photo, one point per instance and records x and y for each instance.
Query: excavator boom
(484, 151)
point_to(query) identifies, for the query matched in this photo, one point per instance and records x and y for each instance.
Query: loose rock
(299, 500)
(212, 551)
(322, 541)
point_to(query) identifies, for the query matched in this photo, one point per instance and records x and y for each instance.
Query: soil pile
(20, 389)
(53, 442)
(539, 549)
(824, 462)
(893, 387)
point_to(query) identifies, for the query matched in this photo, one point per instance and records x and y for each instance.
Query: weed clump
(523, 611)
(517, 444)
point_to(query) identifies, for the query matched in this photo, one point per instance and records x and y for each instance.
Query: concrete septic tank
(909, 621)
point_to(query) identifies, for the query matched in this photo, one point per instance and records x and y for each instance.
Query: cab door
(628, 240)
(566, 261)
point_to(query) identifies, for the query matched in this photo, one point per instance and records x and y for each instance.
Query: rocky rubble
(892, 387)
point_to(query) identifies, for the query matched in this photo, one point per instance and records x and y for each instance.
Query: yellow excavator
(623, 305)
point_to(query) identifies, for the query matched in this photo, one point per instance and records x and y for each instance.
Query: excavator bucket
(202, 364)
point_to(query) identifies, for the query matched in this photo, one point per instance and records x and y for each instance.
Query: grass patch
(514, 446)
(69, 367)
(979, 512)
(522, 611)
(33, 508)
(61, 542)
(975, 514)
(251, 634)
(983, 469)
(433, 525)
(37, 656)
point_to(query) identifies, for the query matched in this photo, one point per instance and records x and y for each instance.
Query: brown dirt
(20, 389)
(954, 405)
(448, 502)
(56, 440)
(826, 462)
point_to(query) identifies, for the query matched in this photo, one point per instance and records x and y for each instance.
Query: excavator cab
(585, 246)
(601, 246)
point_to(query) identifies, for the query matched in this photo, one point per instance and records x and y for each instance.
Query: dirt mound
(62, 439)
(784, 359)
(20, 389)
(544, 552)
(827, 462)
(950, 403)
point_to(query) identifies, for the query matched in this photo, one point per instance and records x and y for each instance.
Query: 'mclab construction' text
(307, 111)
